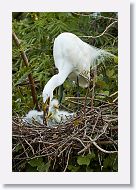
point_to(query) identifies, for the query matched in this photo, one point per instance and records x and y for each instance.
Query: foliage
(37, 32)
(39, 165)
(89, 162)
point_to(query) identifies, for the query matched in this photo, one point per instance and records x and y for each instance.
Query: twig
(26, 63)
(67, 159)
(110, 120)
(99, 142)
(99, 16)
(104, 130)
(113, 94)
(93, 93)
(96, 122)
(115, 99)
(110, 18)
(94, 37)
(98, 147)
(75, 138)
(80, 98)
(99, 157)
(29, 146)
(75, 134)
(77, 103)
(24, 149)
(64, 149)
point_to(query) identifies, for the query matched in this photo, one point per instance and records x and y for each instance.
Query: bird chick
(33, 115)
(55, 116)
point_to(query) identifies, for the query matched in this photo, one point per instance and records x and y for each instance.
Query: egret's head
(47, 94)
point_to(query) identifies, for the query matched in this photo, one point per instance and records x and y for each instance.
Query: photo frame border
(123, 174)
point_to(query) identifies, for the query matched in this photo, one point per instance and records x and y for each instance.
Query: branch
(98, 147)
(26, 63)
(102, 32)
(67, 160)
(98, 16)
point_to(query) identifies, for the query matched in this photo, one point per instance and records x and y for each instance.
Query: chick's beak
(56, 106)
(49, 115)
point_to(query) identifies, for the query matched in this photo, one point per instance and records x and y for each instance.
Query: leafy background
(37, 32)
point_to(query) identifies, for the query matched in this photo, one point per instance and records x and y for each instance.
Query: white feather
(33, 115)
(57, 116)
(73, 58)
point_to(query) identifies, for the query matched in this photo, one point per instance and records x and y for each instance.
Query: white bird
(33, 115)
(73, 58)
(55, 116)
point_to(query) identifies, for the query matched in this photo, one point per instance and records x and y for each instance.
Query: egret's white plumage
(73, 58)
(55, 116)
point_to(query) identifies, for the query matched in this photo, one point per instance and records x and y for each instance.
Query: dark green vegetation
(37, 32)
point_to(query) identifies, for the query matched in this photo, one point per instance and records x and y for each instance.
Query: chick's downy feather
(55, 115)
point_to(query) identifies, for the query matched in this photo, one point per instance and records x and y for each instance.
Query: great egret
(73, 58)
(55, 116)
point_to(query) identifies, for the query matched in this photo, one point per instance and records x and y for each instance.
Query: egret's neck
(48, 90)
(54, 82)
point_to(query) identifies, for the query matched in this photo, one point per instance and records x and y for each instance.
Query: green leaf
(23, 165)
(31, 169)
(115, 166)
(88, 169)
(91, 155)
(23, 77)
(116, 59)
(43, 167)
(36, 162)
(83, 160)
(73, 168)
(111, 162)
(107, 162)
(101, 83)
(106, 92)
(110, 72)
(18, 147)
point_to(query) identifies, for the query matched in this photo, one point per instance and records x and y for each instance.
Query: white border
(9, 177)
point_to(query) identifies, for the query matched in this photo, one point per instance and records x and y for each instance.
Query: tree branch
(26, 63)
(94, 37)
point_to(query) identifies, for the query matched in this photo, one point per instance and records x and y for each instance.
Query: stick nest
(93, 128)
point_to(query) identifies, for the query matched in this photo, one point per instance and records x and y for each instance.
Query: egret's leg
(60, 93)
(78, 93)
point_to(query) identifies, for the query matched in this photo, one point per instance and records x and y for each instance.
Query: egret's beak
(46, 110)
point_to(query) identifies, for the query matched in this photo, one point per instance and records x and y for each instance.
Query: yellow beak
(46, 110)
(49, 115)
(56, 106)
